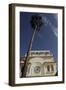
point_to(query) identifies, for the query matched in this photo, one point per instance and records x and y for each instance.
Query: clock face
(36, 66)
(37, 69)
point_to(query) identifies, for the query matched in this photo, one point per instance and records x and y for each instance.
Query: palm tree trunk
(28, 53)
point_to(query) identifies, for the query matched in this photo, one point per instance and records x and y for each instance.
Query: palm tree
(36, 23)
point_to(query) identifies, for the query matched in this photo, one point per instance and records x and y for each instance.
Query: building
(40, 63)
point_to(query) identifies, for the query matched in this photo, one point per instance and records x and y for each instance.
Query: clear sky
(45, 39)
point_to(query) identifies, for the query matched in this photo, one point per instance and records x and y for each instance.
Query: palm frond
(36, 21)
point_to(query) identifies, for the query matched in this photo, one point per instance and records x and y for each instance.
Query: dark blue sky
(45, 39)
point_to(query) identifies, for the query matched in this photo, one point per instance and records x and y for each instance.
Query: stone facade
(40, 63)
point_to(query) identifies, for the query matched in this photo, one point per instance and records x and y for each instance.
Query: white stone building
(41, 63)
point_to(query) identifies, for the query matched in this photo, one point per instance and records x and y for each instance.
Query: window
(50, 68)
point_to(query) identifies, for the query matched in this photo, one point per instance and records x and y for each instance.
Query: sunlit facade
(40, 63)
